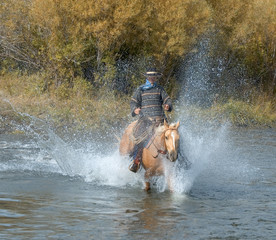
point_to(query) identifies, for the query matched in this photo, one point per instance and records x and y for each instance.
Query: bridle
(163, 152)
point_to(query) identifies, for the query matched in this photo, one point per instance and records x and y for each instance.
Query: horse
(163, 145)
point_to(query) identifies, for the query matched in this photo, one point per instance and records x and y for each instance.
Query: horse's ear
(166, 124)
(177, 125)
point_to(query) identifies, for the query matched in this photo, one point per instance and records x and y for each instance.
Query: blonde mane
(173, 126)
(161, 128)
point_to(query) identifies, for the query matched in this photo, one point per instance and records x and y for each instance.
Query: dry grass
(81, 108)
(259, 113)
(78, 108)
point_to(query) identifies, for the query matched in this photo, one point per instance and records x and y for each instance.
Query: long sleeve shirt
(150, 101)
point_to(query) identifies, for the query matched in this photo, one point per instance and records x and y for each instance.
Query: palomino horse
(162, 146)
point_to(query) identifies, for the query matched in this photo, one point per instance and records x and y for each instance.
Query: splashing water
(205, 145)
(101, 165)
(109, 168)
(221, 189)
(201, 150)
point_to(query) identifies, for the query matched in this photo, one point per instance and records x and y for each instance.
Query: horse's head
(171, 135)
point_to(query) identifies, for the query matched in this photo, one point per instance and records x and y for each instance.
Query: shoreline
(11, 121)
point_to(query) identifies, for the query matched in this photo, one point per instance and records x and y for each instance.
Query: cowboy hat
(152, 72)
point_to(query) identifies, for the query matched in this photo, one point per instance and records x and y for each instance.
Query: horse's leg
(169, 179)
(147, 187)
(147, 177)
(160, 171)
(170, 184)
(150, 172)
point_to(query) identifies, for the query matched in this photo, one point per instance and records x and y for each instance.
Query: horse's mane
(161, 128)
(173, 126)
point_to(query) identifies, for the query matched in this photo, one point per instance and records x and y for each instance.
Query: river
(52, 189)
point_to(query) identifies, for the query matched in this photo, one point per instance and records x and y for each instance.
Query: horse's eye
(166, 138)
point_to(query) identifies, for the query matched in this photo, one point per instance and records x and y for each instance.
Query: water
(52, 189)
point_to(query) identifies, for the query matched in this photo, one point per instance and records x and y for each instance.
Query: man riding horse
(148, 102)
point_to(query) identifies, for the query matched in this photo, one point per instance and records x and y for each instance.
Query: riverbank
(260, 114)
(66, 109)
(83, 109)
(67, 117)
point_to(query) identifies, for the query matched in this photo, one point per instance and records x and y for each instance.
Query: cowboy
(148, 102)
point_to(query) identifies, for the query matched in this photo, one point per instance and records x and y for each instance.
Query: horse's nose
(173, 156)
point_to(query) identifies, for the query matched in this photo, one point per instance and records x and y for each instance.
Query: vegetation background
(76, 63)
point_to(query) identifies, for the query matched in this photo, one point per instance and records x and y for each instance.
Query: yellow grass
(82, 108)
(77, 108)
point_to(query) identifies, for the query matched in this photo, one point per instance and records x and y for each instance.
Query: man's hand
(137, 111)
(166, 107)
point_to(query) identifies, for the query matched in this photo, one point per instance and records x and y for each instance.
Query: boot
(135, 165)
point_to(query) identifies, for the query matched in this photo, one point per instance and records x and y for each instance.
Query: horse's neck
(159, 141)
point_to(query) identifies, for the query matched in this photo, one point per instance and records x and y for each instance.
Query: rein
(159, 151)
(163, 152)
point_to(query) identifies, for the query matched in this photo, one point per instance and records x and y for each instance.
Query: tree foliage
(89, 38)
(246, 32)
